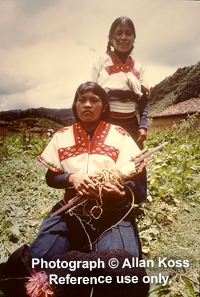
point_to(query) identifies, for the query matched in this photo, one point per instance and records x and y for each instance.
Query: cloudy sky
(47, 46)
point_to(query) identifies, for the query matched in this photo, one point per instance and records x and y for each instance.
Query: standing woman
(124, 80)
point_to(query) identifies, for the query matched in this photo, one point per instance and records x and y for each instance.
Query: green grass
(168, 221)
(172, 211)
(163, 103)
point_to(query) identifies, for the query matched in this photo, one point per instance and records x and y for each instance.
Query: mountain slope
(182, 85)
(60, 116)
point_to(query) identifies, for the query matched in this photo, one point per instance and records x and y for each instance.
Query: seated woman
(90, 160)
(104, 219)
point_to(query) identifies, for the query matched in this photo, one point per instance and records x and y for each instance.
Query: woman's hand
(112, 192)
(142, 133)
(83, 185)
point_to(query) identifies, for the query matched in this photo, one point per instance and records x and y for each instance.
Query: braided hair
(124, 20)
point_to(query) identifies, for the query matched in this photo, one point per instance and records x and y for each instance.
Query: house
(5, 123)
(35, 130)
(4, 126)
(174, 114)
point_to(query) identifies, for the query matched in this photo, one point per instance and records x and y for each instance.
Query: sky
(47, 46)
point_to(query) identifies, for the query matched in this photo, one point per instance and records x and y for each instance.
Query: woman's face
(89, 108)
(123, 38)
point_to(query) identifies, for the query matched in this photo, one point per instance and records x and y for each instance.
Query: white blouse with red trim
(111, 74)
(71, 151)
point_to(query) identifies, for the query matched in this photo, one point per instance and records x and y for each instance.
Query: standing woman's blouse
(113, 75)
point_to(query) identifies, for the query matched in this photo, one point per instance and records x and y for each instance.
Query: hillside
(182, 85)
(60, 116)
(35, 124)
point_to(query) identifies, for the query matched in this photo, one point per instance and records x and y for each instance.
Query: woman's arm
(81, 183)
(136, 187)
(57, 180)
(143, 110)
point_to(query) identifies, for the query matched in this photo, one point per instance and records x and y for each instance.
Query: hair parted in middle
(97, 90)
(121, 20)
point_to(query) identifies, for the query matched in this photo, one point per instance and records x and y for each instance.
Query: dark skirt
(63, 233)
(131, 126)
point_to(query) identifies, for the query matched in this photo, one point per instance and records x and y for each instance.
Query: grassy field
(168, 221)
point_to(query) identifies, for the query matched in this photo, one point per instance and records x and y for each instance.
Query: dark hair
(97, 90)
(123, 20)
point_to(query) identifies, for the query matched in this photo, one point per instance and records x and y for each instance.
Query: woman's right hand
(83, 185)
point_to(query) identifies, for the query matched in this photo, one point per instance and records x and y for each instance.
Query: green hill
(60, 116)
(182, 85)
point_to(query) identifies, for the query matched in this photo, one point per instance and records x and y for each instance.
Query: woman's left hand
(112, 191)
(142, 134)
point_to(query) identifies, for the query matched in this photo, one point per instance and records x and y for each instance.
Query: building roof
(35, 129)
(5, 123)
(190, 106)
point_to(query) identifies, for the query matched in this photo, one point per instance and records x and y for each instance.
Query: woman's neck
(88, 127)
(122, 56)
(89, 132)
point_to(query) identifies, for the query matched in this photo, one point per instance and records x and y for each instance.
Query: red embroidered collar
(118, 66)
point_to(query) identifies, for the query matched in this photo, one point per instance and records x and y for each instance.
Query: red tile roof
(190, 106)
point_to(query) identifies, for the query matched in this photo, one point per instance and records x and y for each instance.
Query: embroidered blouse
(113, 75)
(71, 151)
